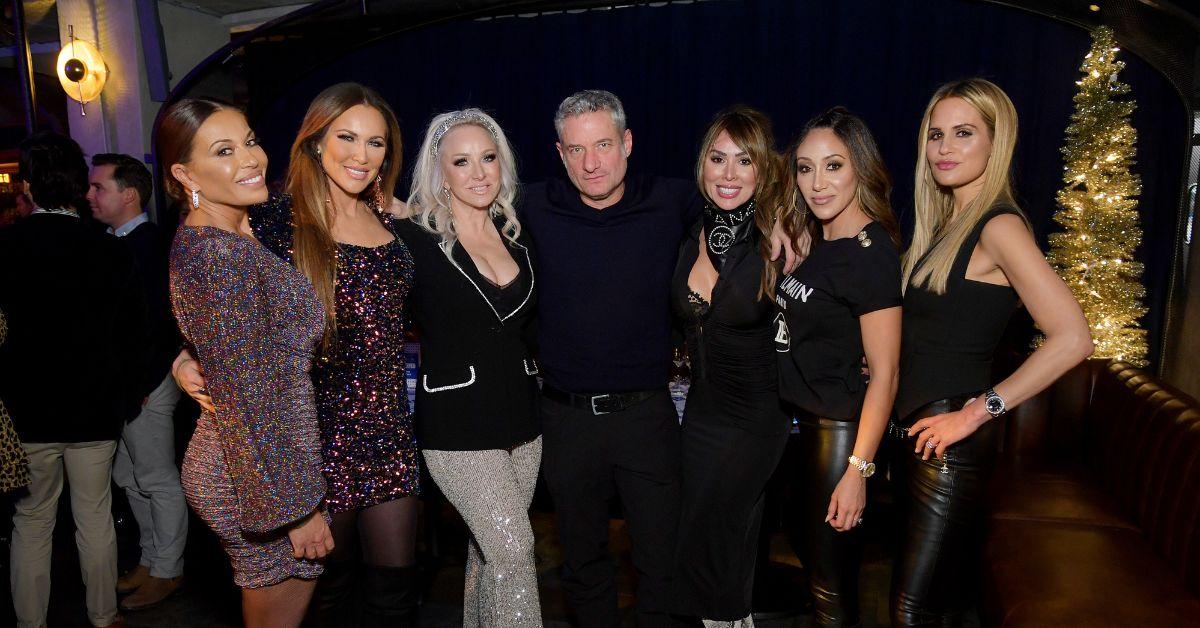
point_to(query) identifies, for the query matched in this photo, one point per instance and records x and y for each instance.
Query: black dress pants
(831, 558)
(944, 506)
(587, 460)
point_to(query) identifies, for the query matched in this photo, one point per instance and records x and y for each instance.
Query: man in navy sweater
(119, 187)
(607, 244)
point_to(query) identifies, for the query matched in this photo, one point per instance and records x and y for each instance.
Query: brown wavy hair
(750, 130)
(313, 247)
(874, 187)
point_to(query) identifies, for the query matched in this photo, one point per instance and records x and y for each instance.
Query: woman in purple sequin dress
(252, 470)
(347, 153)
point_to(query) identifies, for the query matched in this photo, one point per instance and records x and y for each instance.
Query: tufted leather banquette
(1095, 520)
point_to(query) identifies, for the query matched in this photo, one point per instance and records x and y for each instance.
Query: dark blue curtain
(674, 66)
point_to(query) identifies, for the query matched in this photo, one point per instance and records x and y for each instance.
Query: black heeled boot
(391, 596)
(332, 602)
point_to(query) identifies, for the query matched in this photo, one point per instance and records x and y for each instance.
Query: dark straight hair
(176, 134)
(128, 172)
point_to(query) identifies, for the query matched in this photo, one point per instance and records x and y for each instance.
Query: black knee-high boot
(390, 596)
(331, 605)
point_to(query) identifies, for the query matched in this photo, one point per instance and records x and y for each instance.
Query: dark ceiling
(1165, 33)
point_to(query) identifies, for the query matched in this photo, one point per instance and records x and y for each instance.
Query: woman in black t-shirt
(841, 304)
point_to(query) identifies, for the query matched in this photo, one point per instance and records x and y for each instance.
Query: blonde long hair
(431, 209)
(750, 130)
(313, 247)
(939, 234)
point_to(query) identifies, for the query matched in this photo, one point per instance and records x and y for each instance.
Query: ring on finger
(929, 444)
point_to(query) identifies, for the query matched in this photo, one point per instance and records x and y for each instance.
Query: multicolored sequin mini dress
(367, 441)
(253, 467)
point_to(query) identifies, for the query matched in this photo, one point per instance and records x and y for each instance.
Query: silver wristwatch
(867, 469)
(993, 403)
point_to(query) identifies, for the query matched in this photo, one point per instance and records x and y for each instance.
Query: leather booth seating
(1095, 519)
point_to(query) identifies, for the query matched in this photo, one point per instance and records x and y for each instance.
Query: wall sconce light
(81, 70)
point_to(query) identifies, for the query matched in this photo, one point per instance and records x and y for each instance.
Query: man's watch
(993, 403)
(867, 469)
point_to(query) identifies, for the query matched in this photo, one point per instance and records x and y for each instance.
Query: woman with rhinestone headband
(474, 302)
(734, 429)
(839, 308)
(344, 163)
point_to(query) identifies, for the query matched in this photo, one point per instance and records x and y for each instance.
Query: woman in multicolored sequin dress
(252, 470)
(328, 225)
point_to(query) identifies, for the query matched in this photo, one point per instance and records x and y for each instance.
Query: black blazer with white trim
(476, 388)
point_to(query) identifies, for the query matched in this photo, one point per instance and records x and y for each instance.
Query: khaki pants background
(89, 469)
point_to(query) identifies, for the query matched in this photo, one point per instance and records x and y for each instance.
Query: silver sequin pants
(492, 490)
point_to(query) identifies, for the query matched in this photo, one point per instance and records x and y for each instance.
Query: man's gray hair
(589, 101)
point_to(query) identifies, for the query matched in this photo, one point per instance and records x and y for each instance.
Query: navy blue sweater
(604, 319)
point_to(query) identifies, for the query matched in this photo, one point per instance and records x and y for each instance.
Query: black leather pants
(831, 558)
(943, 503)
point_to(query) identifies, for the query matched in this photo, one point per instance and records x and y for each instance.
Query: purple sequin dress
(367, 441)
(253, 466)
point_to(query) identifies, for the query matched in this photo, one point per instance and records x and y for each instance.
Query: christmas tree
(1094, 253)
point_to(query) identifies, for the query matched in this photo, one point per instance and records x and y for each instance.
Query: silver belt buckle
(596, 412)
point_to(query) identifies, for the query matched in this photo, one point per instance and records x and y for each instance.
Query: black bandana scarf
(725, 229)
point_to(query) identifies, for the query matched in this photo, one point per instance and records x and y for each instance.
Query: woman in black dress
(841, 305)
(734, 429)
(972, 262)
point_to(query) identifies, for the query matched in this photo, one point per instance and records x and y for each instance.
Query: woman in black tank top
(973, 260)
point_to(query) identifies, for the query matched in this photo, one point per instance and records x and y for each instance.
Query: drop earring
(379, 191)
(195, 199)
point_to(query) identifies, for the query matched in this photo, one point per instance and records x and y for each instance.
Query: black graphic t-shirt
(817, 333)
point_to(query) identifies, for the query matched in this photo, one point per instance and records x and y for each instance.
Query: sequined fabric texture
(253, 466)
(492, 490)
(370, 453)
(14, 463)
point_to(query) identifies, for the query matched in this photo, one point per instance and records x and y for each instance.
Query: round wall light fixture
(81, 70)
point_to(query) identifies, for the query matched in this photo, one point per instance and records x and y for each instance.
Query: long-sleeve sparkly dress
(253, 466)
(367, 445)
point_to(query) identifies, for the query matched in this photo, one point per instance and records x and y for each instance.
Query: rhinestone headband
(456, 119)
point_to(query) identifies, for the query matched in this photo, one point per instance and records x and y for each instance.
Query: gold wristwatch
(867, 469)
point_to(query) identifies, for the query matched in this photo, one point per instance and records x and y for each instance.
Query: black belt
(598, 404)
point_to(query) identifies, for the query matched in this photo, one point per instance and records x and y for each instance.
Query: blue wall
(676, 65)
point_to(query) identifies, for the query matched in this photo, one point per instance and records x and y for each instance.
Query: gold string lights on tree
(1094, 253)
